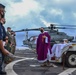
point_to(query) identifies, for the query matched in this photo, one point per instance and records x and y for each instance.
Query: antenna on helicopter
(26, 35)
(57, 31)
(51, 26)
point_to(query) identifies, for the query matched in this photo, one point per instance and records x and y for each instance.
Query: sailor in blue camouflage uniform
(3, 51)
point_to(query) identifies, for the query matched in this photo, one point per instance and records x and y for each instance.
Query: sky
(22, 14)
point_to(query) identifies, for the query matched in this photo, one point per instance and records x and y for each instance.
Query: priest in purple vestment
(43, 48)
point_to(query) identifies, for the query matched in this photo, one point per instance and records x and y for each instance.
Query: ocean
(20, 36)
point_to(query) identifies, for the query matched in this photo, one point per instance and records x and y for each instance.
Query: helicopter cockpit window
(33, 39)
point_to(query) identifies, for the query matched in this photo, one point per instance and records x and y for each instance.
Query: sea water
(20, 36)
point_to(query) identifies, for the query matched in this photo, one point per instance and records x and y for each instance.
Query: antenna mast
(26, 35)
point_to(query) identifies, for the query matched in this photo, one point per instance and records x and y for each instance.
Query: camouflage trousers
(13, 49)
(1, 60)
(6, 58)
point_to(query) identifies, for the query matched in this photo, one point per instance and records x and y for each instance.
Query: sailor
(13, 41)
(3, 51)
(8, 45)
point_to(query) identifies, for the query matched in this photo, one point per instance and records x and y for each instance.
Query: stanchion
(63, 57)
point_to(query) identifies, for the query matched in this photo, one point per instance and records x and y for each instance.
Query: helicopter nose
(71, 38)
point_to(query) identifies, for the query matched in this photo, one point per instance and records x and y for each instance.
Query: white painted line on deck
(54, 65)
(39, 65)
(68, 71)
(18, 57)
(9, 67)
(34, 65)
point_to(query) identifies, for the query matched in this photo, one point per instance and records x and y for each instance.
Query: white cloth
(57, 49)
(46, 40)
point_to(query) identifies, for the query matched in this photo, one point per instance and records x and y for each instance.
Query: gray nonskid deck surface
(32, 66)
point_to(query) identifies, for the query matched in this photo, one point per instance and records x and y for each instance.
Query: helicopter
(56, 37)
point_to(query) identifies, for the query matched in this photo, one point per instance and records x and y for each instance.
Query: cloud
(35, 13)
(23, 8)
(56, 12)
(18, 12)
(47, 23)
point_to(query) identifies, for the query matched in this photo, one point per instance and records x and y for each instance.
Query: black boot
(2, 73)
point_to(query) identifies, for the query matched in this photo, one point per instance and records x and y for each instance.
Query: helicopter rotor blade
(27, 30)
(19, 30)
(68, 25)
(51, 27)
(60, 27)
(65, 27)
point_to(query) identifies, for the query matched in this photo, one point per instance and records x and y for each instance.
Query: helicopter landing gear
(71, 59)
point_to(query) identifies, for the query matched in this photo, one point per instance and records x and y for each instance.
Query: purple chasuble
(42, 47)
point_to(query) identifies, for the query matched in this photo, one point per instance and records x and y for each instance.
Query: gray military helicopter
(56, 36)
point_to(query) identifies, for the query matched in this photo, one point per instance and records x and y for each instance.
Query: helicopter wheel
(71, 59)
